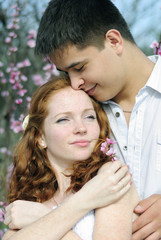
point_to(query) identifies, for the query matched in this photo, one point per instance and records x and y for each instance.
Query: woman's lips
(81, 143)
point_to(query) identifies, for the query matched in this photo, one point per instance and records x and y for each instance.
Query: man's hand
(21, 213)
(148, 225)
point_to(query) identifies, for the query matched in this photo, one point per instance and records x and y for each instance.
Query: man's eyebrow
(73, 65)
(70, 66)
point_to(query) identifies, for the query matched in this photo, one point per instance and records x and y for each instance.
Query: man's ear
(114, 38)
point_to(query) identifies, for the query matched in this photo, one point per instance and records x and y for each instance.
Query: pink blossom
(18, 101)
(1, 74)
(15, 14)
(47, 76)
(16, 26)
(13, 49)
(1, 233)
(22, 92)
(3, 150)
(12, 34)
(16, 126)
(10, 26)
(110, 141)
(47, 67)
(17, 86)
(110, 152)
(23, 78)
(14, 6)
(28, 99)
(107, 149)
(56, 72)
(3, 80)
(1, 64)
(15, 74)
(154, 44)
(26, 63)
(1, 130)
(20, 65)
(32, 34)
(4, 93)
(16, 20)
(9, 173)
(21, 118)
(103, 147)
(31, 43)
(38, 80)
(1, 215)
(8, 40)
(159, 51)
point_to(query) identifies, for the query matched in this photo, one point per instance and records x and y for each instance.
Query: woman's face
(70, 130)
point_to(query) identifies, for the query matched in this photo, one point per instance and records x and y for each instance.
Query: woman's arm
(115, 221)
(69, 236)
(103, 189)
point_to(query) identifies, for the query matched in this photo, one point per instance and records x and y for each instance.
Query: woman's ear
(42, 142)
(115, 40)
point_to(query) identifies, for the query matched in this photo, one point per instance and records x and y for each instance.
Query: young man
(91, 42)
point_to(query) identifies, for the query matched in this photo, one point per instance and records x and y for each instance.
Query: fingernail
(138, 207)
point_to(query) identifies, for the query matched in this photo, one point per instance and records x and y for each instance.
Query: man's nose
(76, 82)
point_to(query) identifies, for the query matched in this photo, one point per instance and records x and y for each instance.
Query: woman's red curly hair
(33, 177)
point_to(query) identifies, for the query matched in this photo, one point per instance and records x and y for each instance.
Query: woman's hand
(21, 213)
(111, 183)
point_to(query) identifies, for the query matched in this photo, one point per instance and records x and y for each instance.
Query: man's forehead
(65, 57)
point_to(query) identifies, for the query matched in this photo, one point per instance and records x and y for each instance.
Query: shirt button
(117, 114)
(125, 148)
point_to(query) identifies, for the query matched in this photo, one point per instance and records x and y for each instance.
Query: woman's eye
(61, 120)
(91, 117)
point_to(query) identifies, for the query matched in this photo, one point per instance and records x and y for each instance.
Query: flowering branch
(107, 149)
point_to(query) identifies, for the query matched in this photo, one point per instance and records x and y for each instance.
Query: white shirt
(139, 146)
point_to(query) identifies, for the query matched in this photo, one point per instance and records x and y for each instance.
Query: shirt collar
(154, 80)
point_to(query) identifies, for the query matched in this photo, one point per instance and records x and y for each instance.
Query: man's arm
(148, 224)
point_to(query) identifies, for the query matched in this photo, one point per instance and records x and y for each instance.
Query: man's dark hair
(79, 22)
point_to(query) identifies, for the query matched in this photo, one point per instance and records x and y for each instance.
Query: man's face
(97, 71)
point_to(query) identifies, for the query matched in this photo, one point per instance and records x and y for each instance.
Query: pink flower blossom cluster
(16, 125)
(156, 46)
(107, 149)
(4, 150)
(31, 38)
(2, 213)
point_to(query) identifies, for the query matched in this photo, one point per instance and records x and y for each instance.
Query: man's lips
(91, 90)
(81, 143)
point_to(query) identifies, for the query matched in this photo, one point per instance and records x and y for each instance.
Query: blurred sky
(148, 16)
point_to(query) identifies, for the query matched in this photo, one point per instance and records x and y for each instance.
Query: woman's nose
(80, 128)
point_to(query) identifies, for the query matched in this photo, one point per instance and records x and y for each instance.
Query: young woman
(59, 162)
